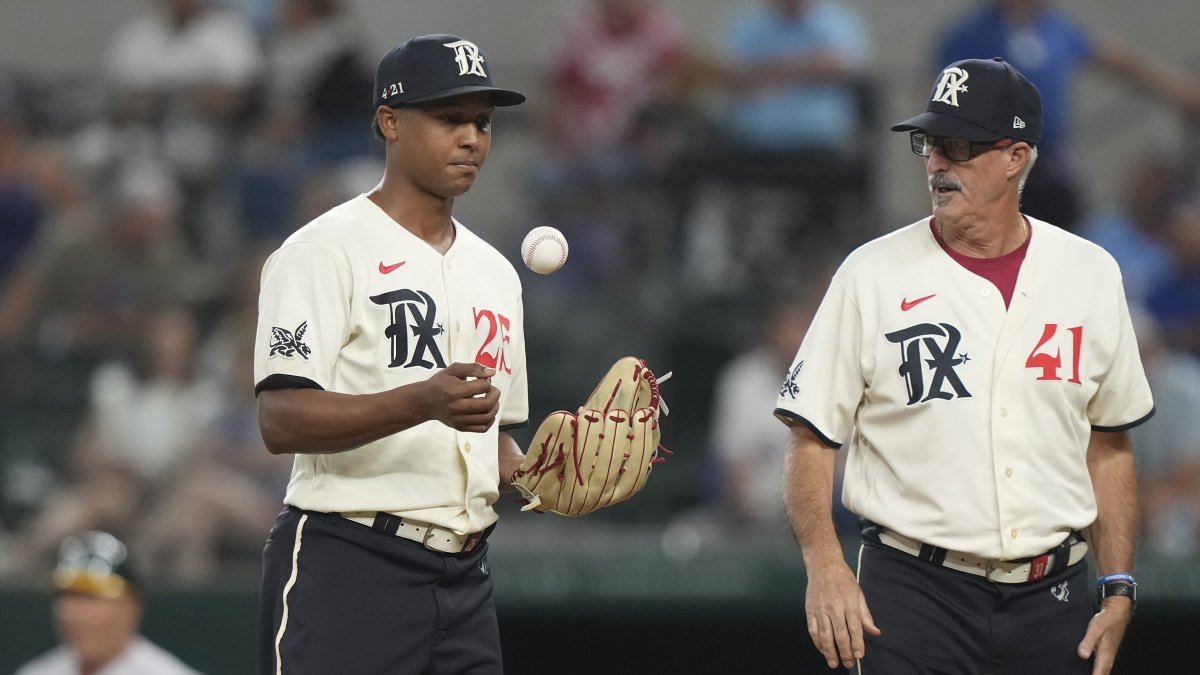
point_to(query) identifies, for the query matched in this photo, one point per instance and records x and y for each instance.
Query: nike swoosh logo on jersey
(905, 305)
(388, 269)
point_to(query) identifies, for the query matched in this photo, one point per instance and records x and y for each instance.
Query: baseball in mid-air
(544, 250)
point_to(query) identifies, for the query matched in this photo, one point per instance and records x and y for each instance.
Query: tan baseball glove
(577, 463)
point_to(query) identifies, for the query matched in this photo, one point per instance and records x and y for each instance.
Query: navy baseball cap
(95, 563)
(981, 100)
(433, 67)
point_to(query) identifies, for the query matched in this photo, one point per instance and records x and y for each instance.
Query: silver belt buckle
(429, 534)
(425, 538)
(989, 568)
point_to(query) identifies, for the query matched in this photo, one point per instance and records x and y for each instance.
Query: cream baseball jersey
(354, 303)
(967, 423)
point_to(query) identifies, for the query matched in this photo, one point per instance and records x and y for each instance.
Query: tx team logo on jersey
(422, 350)
(288, 344)
(466, 54)
(953, 81)
(929, 347)
(789, 384)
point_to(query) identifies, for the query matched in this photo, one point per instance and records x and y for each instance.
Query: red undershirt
(1001, 271)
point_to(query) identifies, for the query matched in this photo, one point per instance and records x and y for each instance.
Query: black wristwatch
(1124, 588)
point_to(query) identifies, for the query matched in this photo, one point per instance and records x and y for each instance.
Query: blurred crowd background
(710, 163)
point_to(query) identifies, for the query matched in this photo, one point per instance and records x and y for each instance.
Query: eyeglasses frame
(973, 149)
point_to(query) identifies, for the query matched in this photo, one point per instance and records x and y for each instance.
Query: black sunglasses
(955, 149)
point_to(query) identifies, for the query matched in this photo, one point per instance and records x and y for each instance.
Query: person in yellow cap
(97, 610)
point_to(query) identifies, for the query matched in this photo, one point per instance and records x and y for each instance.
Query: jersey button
(1008, 472)
(467, 447)
(985, 291)
(1004, 412)
(1013, 533)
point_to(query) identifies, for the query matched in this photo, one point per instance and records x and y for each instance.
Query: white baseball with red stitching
(544, 250)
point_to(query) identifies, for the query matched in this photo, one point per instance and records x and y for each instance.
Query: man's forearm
(1113, 536)
(808, 497)
(509, 458)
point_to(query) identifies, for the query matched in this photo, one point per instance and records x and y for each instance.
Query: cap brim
(941, 124)
(503, 97)
(90, 583)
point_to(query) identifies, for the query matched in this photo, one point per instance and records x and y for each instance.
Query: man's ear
(386, 121)
(1019, 156)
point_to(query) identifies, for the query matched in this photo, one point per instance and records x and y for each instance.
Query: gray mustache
(942, 181)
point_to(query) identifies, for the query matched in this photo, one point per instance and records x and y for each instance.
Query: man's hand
(462, 397)
(1104, 634)
(834, 603)
(837, 615)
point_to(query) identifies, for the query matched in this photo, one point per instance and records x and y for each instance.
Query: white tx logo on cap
(951, 83)
(470, 61)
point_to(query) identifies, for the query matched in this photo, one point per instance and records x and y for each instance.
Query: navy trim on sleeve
(514, 425)
(285, 382)
(780, 412)
(1126, 427)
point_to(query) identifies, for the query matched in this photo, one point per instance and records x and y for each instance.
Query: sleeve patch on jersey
(790, 388)
(289, 344)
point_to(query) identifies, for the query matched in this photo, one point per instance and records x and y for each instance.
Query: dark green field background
(620, 612)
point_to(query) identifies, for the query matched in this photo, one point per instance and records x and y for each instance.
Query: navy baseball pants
(339, 597)
(939, 621)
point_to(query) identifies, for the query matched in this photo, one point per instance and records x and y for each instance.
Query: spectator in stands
(43, 207)
(178, 81)
(1051, 48)
(97, 611)
(791, 77)
(41, 196)
(741, 488)
(21, 207)
(791, 68)
(228, 490)
(746, 448)
(1135, 234)
(1175, 302)
(613, 63)
(146, 417)
(614, 59)
(81, 299)
(229, 487)
(309, 112)
(1169, 446)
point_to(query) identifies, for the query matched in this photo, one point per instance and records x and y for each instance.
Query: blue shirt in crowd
(1049, 51)
(802, 114)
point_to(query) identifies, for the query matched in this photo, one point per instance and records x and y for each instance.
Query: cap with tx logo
(981, 100)
(432, 67)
